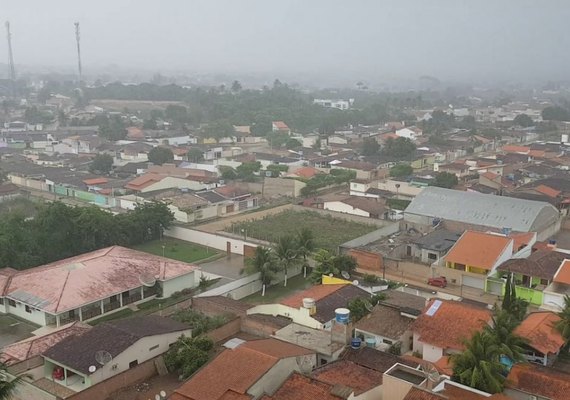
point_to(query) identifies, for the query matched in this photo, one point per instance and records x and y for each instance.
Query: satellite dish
(103, 357)
(147, 279)
(331, 274)
(157, 397)
(368, 306)
(355, 282)
(92, 369)
(345, 275)
(163, 394)
(431, 373)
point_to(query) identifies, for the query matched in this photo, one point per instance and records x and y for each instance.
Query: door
(478, 283)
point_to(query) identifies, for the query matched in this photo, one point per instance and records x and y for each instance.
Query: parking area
(228, 267)
(13, 330)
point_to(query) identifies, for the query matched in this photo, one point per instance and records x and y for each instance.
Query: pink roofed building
(90, 285)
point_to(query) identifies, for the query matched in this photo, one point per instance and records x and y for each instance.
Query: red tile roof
(538, 329)
(349, 374)
(95, 181)
(143, 181)
(563, 274)
(316, 292)
(299, 387)
(444, 366)
(306, 172)
(516, 149)
(417, 393)
(236, 370)
(521, 239)
(478, 249)
(280, 125)
(490, 175)
(451, 324)
(550, 192)
(540, 381)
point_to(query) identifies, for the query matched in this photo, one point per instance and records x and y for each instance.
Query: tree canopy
(401, 170)
(400, 148)
(111, 128)
(160, 155)
(370, 147)
(102, 163)
(445, 180)
(523, 120)
(555, 113)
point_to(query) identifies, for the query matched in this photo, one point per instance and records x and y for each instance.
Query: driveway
(13, 330)
(228, 267)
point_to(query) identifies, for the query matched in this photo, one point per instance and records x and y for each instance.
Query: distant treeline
(59, 231)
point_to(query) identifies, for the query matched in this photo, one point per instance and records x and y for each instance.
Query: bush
(395, 349)
(187, 355)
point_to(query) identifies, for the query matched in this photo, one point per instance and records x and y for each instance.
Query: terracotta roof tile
(236, 370)
(416, 393)
(299, 387)
(478, 249)
(280, 125)
(444, 366)
(490, 175)
(316, 292)
(385, 321)
(541, 264)
(452, 323)
(306, 172)
(563, 274)
(377, 360)
(538, 329)
(452, 392)
(550, 192)
(95, 181)
(516, 149)
(539, 380)
(349, 374)
(521, 239)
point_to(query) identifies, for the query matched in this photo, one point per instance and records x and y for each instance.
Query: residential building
(125, 343)
(318, 313)
(92, 284)
(363, 382)
(476, 255)
(431, 247)
(559, 288)
(526, 381)
(459, 169)
(334, 103)
(246, 371)
(298, 386)
(364, 170)
(280, 127)
(444, 325)
(470, 210)
(411, 133)
(543, 342)
(531, 275)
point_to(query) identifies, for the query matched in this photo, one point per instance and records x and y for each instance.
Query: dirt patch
(148, 389)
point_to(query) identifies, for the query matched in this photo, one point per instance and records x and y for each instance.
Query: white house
(79, 362)
(334, 103)
(409, 133)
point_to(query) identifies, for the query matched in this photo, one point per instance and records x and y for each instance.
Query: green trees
(327, 263)
(177, 114)
(305, 246)
(218, 130)
(400, 148)
(160, 155)
(555, 113)
(479, 366)
(445, 180)
(187, 355)
(247, 170)
(286, 251)
(111, 128)
(264, 263)
(401, 170)
(335, 177)
(7, 388)
(523, 120)
(512, 304)
(102, 164)
(563, 326)
(292, 144)
(370, 147)
(195, 155)
(59, 231)
(502, 331)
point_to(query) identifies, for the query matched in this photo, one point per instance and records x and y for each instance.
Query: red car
(439, 281)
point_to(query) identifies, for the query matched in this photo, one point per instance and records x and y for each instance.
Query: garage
(477, 283)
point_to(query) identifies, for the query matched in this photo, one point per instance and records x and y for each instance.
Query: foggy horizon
(450, 40)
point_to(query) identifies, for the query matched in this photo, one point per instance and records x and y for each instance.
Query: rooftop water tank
(355, 343)
(371, 342)
(342, 315)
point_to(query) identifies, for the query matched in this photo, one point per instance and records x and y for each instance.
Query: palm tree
(479, 366)
(323, 265)
(287, 254)
(305, 246)
(264, 263)
(502, 330)
(563, 326)
(7, 388)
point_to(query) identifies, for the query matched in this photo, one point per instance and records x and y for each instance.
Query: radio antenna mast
(77, 38)
(10, 54)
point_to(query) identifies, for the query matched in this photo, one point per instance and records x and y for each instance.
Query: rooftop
(438, 240)
(68, 284)
(236, 370)
(540, 381)
(405, 302)
(459, 319)
(563, 274)
(385, 321)
(538, 329)
(479, 249)
(540, 264)
(300, 387)
(315, 339)
(483, 209)
(78, 352)
(349, 374)
(375, 359)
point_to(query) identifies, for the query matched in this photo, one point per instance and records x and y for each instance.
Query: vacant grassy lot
(177, 250)
(21, 205)
(277, 292)
(329, 232)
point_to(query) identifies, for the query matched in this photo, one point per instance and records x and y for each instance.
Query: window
(133, 363)
(11, 303)
(153, 347)
(460, 267)
(544, 282)
(387, 341)
(28, 309)
(432, 256)
(1, 301)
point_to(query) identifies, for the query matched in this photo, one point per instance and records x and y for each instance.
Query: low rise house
(280, 127)
(363, 382)
(247, 371)
(543, 342)
(443, 326)
(526, 381)
(431, 247)
(81, 361)
(92, 284)
(299, 386)
(364, 170)
(559, 288)
(460, 170)
(531, 275)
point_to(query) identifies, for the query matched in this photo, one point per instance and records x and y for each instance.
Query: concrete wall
(36, 316)
(387, 229)
(367, 260)
(27, 391)
(394, 388)
(354, 218)
(215, 241)
(231, 328)
(275, 377)
(339, 206)
(210, 307)
(173, 182)
(405, 188)
(298, 315)
(178, 283)
(282, 187)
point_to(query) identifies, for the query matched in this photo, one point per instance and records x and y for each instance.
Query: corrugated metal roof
(482, 209)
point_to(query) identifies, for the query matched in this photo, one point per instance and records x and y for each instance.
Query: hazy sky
(445, 38)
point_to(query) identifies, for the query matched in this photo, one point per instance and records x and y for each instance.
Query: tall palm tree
(563, 326)
(479, 366)
(305, 246)
(502, 330)
(287, 254)
(323, 265)
(264, 263)
(7, 388)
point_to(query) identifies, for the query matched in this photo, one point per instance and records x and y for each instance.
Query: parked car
(439, 281)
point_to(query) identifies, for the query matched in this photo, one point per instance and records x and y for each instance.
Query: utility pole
(77, 38)
(11, 56)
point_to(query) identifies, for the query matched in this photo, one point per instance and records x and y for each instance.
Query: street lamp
(244, 231)
(163, 248)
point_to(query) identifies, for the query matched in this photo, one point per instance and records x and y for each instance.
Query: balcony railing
(131, 299)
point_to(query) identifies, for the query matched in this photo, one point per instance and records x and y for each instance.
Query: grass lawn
(277, 292)
(177, 250)
(125, 312)
(21, 205)
(329, 232)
